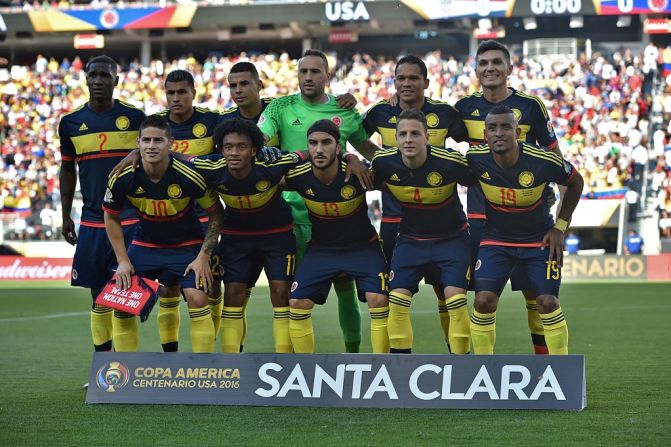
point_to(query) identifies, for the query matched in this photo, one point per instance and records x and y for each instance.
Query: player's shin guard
(483, 332)
(126, 332)
(444, 322)
(202, 329)
(399, 325)
(101, 327)
(348, 314)
(231, 328)
(460, 334)
(215, 303)
(536, 328)
(379, 337)
(248, 294)
(301, 331)
(168, 322)
(556, 332)
(281, 329)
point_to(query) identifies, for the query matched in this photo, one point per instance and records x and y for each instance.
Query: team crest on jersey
(567, 167)
(199, 130)
(478, 264)
(434, 179)
(526, 179)
(337, 120)
(262, 185)
(108, 196)
(518, 114)
(122, 122)
(432, 120)
(294, 286)
(174, 191)
(347, 191)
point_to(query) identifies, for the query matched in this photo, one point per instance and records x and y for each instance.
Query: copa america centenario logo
(112, 376)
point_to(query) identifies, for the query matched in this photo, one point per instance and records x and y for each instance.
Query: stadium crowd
(600, 107)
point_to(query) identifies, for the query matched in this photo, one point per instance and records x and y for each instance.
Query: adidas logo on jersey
(476, 112)
(395, 178)
(297, 122)
(83, 127)
(309, 192)
(392, 120)
(139, 190)
(486, 176)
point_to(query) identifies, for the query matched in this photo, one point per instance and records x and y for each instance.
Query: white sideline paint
(44, 317)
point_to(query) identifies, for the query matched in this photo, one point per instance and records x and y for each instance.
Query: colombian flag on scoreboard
(177, 16)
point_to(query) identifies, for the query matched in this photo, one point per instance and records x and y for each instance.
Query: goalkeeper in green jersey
(289, 118)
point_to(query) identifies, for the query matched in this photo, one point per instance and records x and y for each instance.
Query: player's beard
(326, 166)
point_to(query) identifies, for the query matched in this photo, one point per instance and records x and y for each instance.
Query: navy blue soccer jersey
(254, 205)
(166, 208)
(442, 119)
(428, 194)
(195, 135)
(533, 120)
(338, 211)
(516, 210)
(97, 142)
(234, 112)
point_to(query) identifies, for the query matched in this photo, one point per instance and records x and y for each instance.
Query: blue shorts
(165, 265)
(94, 261)
(388, 234)
(241, 257)
(321, 265)
(414, 258)
(495, 264)
(215, 260)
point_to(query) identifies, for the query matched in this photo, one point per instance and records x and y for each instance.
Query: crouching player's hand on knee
(201, 268)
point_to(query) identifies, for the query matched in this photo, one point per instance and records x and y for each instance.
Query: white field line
(44, 317)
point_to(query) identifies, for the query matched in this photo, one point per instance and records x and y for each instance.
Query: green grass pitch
(622, 328)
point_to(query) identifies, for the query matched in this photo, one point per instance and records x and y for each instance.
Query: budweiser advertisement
(15, 268)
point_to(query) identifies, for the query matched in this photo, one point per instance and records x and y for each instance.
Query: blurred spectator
(633, 244)
(572, 243)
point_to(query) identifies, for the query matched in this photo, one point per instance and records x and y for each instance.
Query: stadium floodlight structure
(530, 23)
(623, 21)
(576, 22)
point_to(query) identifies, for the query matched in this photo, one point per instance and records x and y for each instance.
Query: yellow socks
(231, 328)
(281, 329)
(444, 322)
(536, 328)
(168, 322)
(202, 329)
(126, 332)
(399, 325)
(483, 332)
(459, 334)
(556, 332)
(215, 303)
(248, 294)
(301, 331)
(101, 327)
(379, 337)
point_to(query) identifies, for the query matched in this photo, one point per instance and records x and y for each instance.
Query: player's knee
(547, 303)
(279, 293)
(168, 291)
(376, 300)
(234, 294)
(529, 294)
(486, 302)
(301, 303)
(195, 297)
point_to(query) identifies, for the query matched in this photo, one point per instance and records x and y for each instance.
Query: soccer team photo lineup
(242, 210)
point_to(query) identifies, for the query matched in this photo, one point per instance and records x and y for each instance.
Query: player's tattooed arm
(201, 265)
